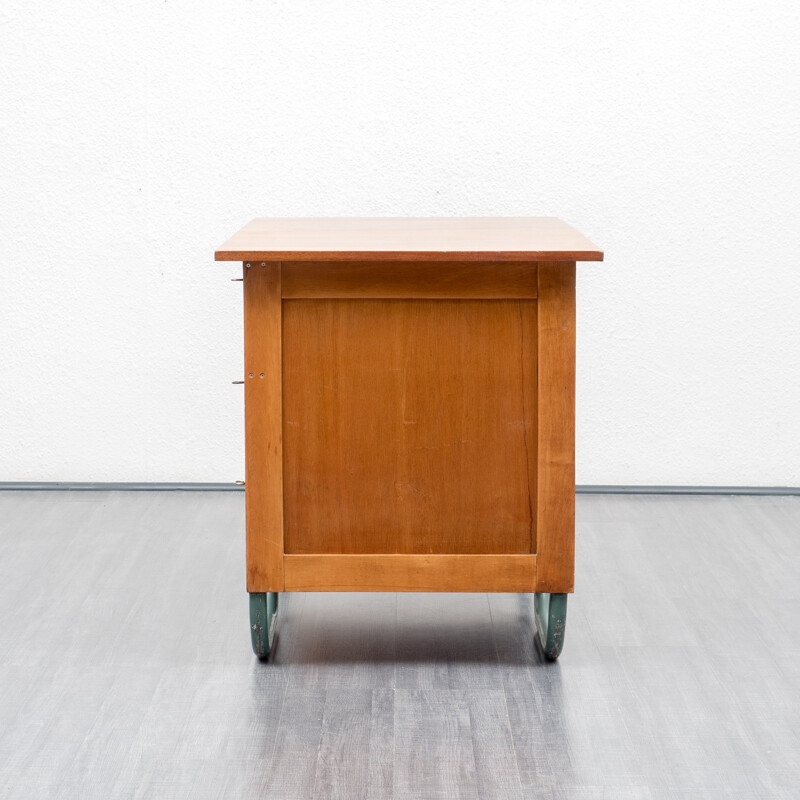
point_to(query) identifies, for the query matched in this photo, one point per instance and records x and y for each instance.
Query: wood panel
(409, 426)
(263, 427)
(555, 529)
(409, 239)
(408, 279)
(410, 573)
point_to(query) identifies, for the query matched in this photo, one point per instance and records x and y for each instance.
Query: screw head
(261, 375)
(248, 266)
(263, 263)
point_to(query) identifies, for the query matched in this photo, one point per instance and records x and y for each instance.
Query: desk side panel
(409, 426)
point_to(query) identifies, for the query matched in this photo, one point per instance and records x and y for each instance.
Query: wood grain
(356, 721)
(263, 427)
(555, 529)
(409, 426)
(410, 573)
(408, 279)
(409, 239)
(438, 724)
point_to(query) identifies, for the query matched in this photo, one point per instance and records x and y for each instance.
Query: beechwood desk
(409, 392)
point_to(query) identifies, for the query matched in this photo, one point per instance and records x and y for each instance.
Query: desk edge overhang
(407, 255)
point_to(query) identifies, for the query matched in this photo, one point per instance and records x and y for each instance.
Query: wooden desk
(410, 408)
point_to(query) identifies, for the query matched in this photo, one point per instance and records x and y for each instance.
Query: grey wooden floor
(125, 665)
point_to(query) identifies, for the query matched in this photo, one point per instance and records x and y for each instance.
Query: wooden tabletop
(409, 239)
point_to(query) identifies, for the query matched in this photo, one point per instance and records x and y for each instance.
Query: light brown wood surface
(410, 239)
(409, 426)
(411, 573)
(555, 529)
(408, 279)
(263, 427)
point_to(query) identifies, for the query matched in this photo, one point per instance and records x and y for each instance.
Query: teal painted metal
(551, 622)
(263, 611)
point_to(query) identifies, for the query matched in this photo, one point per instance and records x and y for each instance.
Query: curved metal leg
(263, 610)
(551, 622)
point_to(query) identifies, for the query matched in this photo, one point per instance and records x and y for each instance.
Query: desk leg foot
(550, 611)
(263, 611)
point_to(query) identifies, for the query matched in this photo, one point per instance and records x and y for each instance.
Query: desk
(409, 393)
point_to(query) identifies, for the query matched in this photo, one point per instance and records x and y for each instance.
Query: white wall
(135, 137)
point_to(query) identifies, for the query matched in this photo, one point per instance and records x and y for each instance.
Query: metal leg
(551, 622)
(263, 611)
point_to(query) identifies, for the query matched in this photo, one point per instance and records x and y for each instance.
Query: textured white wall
(135, 137)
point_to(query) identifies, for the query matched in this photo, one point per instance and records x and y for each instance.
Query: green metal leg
(551, 622)
(263, 610)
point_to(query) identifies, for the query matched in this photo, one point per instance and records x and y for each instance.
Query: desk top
(409, 239)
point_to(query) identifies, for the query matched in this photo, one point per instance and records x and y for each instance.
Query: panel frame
(263, 412)
(408, 280)
(410, 573)
(555, 507)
